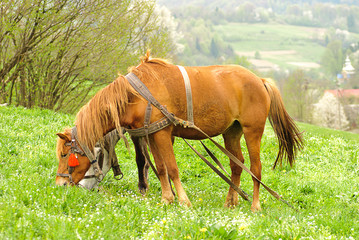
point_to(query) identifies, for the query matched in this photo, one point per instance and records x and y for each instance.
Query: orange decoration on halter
(73, 161)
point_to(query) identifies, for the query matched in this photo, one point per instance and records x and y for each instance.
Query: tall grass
(323, 186)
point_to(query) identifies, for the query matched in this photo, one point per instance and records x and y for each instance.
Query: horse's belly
(211, 126)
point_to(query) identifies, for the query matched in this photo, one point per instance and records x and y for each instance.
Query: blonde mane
(103, 110)
(145, 69)
(109, 104)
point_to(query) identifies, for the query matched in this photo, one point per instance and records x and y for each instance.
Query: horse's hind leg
(253, 135)
(232, 141)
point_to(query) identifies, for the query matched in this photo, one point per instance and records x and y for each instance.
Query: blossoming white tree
(329, 112)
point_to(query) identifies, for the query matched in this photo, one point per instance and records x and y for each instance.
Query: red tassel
(73, 161)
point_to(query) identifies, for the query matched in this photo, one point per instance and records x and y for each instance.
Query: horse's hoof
(231, 202)
(256, 208)
(168, 200)
(143, 188)
(186, 203)
(143, 191)
(231, 206)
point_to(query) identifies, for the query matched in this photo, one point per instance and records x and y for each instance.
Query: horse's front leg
(162, 150)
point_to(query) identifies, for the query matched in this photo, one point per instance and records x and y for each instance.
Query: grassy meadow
(277, 43)
(323, 186)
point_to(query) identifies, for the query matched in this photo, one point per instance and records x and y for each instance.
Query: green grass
(323, 185)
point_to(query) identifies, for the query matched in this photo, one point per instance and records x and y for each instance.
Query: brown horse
(227, 100)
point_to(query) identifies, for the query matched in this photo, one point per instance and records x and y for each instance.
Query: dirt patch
(305, 64)
(265, 65)
(265, 54)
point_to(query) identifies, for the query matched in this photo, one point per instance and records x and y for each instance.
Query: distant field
(284, 45)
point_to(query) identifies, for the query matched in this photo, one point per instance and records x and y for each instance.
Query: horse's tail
(289, 138)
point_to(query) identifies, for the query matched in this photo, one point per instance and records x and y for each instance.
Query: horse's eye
(63, 155)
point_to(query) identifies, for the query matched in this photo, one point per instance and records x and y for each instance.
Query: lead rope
(236, 160)
(190, 124)
(243, 194)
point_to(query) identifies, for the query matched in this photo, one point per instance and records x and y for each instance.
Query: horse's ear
(64, 137)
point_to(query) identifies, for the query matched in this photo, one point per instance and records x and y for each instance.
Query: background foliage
(54, 53)
(276, 39)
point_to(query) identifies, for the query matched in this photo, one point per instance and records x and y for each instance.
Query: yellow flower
(200, 199)
(187, 237)
(164, 221)
(203, 230)
(242, 227)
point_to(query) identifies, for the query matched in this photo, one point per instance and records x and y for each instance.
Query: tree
(329, 112)
(351, 22)
(332, 59)
(214, 48)
(54, 53)
(299, 95)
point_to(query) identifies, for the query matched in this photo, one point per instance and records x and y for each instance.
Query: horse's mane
(103, 110)
(146, 68)
(109, 104)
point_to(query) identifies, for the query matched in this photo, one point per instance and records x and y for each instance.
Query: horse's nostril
(65, 183)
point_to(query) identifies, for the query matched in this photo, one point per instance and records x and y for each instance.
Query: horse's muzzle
(62, 181)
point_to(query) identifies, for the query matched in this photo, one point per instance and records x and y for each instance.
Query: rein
(170, 118)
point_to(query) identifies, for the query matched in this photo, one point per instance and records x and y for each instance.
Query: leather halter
(83, 151)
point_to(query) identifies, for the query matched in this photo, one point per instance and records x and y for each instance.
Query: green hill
(287, 46)
(323, 186)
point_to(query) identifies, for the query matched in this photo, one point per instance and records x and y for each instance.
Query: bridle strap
(89, 155)
(187, 85)
(144, 92)
(66, 175)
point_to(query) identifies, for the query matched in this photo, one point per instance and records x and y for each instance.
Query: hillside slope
(323, 186)
(287, 46)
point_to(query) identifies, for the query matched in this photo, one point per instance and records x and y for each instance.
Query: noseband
(83, 151)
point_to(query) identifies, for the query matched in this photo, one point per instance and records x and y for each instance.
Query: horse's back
(232, 87)
(221, 95)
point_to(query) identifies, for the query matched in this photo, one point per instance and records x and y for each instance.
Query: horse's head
(73, 163)
(82, 172)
